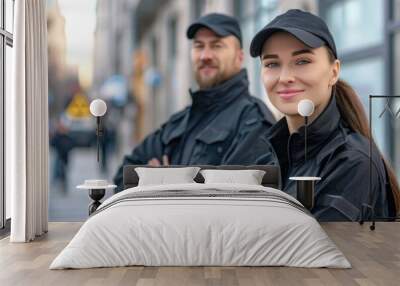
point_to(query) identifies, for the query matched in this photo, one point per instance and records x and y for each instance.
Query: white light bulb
(305, 107)
(98, 107)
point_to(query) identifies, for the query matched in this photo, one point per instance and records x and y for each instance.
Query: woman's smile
(288, 94)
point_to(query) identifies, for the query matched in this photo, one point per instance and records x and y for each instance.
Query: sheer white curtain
(27, 124)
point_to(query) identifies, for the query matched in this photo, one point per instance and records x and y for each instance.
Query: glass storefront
(253, 16)
(355, 24)
(396, 102)
(396, 9)
(366, 77)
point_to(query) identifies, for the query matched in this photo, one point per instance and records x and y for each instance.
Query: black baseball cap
(307, 27)
(221, 24)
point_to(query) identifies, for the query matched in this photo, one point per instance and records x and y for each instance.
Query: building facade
(112, 40)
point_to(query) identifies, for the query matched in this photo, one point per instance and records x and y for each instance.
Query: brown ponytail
(352, 111)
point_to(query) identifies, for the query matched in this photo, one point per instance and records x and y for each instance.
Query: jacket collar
(318, 132)
(222, 94)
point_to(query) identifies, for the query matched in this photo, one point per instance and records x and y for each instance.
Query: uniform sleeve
(343, 193)
(247, 146)
(151, 147)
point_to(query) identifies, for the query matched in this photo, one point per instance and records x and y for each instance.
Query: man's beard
(208, 81)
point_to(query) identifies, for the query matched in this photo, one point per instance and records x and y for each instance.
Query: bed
(201, 224)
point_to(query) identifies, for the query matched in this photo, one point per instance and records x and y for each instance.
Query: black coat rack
(370, 199)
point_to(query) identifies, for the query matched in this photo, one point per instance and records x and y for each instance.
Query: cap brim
(192, 30)
(307, 38)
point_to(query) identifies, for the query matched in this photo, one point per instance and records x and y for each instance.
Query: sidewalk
(71, 204)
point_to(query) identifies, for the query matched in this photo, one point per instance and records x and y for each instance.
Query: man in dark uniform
(222, 110)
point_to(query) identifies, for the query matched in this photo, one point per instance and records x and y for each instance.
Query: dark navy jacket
(336, 154)
(205, 132)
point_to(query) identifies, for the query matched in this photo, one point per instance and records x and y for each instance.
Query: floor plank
(374, 255)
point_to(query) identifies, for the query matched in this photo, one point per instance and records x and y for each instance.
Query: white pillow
(248, 177)
(162, 176)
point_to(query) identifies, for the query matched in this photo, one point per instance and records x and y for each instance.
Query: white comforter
(201, 231)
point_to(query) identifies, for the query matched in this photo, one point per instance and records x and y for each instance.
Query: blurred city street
(71, 204)
(66, 202)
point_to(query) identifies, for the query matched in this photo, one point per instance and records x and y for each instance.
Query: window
(253, 16)
(347, 22)
(362, 56)
(9, 15)
(396, 10)
(396, 105)
(356, 73)
(6, 42)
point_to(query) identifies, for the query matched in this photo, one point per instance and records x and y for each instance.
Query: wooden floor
(374, 255)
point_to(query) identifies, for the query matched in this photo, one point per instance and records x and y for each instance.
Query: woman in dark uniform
(299, 61)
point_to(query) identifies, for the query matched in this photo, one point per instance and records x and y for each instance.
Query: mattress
(201, 225)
